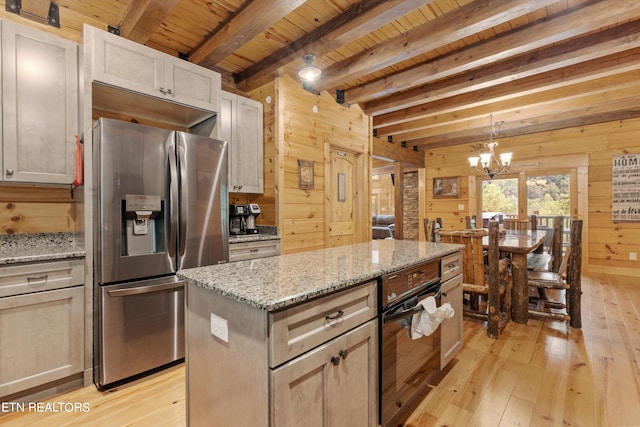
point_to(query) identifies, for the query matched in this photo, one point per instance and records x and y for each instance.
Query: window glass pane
(499, 196)
(548, 195)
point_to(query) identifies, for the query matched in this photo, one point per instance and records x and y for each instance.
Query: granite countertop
(277, 282)
(23, 248)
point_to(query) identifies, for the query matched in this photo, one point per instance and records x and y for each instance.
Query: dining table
(518, 243)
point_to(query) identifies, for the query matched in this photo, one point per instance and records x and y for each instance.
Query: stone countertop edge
(278, 282)
(28, 248)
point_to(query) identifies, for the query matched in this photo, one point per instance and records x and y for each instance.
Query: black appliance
(406, 365)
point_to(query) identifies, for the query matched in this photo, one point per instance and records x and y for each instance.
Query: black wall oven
(406, 365)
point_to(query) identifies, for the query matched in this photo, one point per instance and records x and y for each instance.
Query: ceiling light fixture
(490, 165)
(309, 72)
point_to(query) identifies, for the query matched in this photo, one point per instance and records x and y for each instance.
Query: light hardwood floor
(540, 374)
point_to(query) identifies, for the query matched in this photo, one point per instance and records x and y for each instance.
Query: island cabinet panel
(451, 291)
(331, 381)
(39, 106)
(333, 385)
(303, 327)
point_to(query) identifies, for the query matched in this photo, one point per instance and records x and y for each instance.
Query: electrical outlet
(461, 207)
(219, 328)
(633, 256)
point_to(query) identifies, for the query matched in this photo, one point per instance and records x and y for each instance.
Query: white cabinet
(241, 124)
(122, 63)
(41, 324)
(451, 288)
(239, 251)
(39, 106)
(333, 385)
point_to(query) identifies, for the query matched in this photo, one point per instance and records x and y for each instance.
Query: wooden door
(342, 196)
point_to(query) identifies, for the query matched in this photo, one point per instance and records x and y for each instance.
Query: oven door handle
(402, 314)
(138, 290)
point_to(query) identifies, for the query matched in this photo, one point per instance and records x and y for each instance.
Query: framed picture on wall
(445, 187)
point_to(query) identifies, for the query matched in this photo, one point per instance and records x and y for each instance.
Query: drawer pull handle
(452, 265)
(444, 294)
(253, 251)
(42, 278)
(339, 314)
(343, 353)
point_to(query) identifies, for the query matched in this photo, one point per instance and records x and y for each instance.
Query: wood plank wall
(607, 244)
(36, 210)
(300, 133)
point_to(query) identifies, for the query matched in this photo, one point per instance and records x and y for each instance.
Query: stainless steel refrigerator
(161, 205)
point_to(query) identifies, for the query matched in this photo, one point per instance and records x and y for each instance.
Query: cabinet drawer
(252, 250)
(23, 279)
(303, 327)
(450, 266)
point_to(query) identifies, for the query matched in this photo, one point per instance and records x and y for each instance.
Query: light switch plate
(461, 207)
(633, 256)
(219, 328)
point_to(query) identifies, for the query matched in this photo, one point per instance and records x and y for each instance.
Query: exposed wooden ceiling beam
(557, 99)
(576, 23)
(395, 151)
(615, 110)
(589, 71)
(464, 21)
(249, 22)
(143, 18)
(554, 58)
(356, 21)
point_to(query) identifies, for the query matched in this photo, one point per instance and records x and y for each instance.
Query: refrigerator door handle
(138, 290)
(182, 168)
(173, 196)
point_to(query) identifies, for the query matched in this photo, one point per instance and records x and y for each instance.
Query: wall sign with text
(626, 188)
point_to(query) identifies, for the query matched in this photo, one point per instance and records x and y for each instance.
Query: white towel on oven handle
(429, 318)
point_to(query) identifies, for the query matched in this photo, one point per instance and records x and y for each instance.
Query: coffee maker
(253, 210)
(238, 215)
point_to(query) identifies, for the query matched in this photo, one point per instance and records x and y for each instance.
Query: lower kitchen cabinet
(312, 364)
(333, 385)
(451, 332)
(41, 324)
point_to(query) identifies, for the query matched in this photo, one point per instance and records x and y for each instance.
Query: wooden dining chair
(491, 282)
(567, 281)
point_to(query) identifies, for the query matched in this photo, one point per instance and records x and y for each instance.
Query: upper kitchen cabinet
(241, 124)
(126, 65)
(39, 106)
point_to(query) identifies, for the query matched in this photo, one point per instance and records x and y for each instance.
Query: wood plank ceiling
(429, 72)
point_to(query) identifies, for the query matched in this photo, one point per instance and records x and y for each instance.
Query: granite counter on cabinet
(277, 282)
(24, 248)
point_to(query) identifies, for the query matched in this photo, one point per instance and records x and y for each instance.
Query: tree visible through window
(548, 195)
(500, 196)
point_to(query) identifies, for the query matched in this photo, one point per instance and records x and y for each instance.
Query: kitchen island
(285, 339)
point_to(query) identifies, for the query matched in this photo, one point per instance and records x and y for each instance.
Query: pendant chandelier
(490, 165)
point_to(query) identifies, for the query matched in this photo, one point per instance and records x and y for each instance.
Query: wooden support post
(493, 318)
(574, 275)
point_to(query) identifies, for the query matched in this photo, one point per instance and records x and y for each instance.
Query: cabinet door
(41, 337)
(39, 105)
(122, 63)
(191, 84)
(241, 123)
(249, 163)
(451, 332)
(334, 385)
